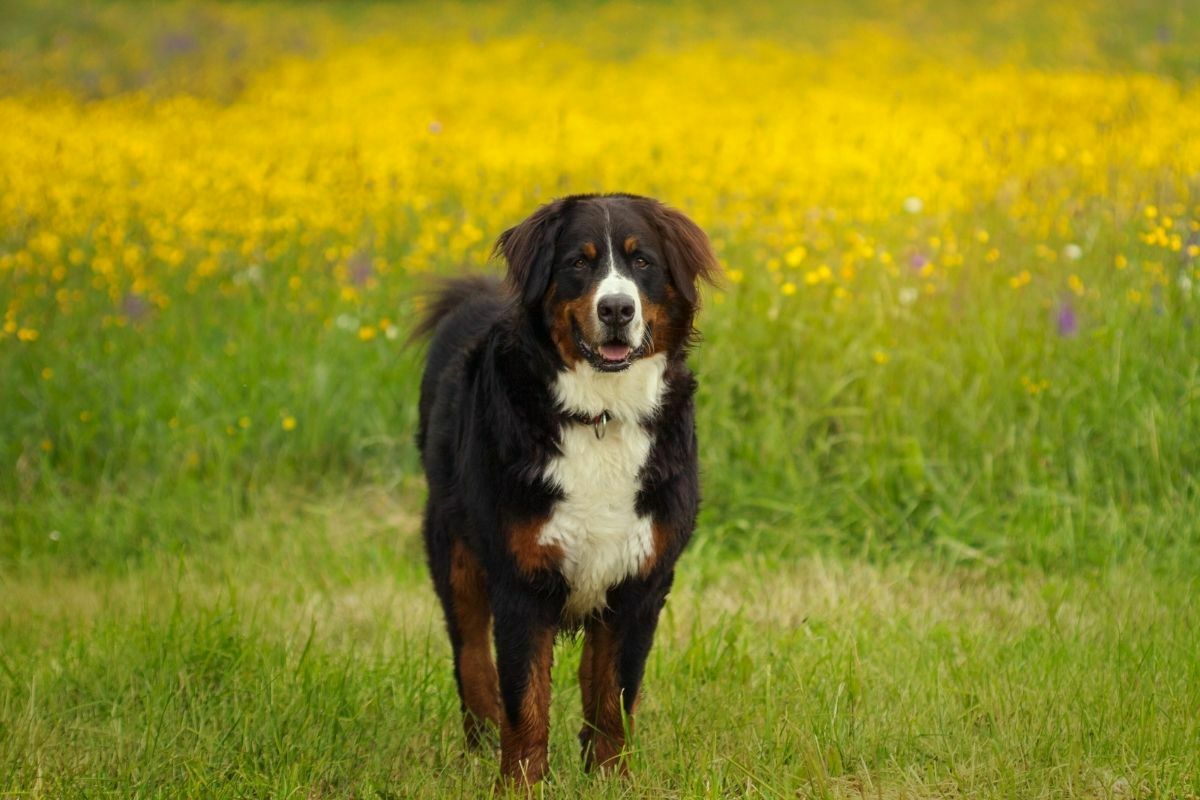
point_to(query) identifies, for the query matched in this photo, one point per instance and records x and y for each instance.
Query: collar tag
(600, 425)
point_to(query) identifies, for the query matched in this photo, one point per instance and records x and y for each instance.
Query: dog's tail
(447, 295)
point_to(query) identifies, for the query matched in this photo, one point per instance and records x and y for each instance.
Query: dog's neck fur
(632, 395)
(596, 526)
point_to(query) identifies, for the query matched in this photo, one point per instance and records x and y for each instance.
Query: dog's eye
(580, 264)
(640, 263)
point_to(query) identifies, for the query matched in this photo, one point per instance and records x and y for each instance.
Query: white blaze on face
(614, 283)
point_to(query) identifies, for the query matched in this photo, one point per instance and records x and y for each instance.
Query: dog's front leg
(616, 644)
(524, 635)
(603, 735)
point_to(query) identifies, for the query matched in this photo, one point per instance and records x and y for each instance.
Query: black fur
(489, 425)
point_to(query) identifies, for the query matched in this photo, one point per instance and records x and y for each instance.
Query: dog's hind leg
(470, 617)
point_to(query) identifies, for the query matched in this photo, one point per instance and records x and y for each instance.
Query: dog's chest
(596, 525)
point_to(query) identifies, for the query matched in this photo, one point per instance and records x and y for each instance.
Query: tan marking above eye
(631, 244)
(589, 249)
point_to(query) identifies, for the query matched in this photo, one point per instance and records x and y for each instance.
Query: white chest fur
(602, 538)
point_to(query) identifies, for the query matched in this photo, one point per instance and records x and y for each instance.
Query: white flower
(913, 205)
(346, 322)
(1185, 283)
(55, 536)
(1072, 252)
(908, 295)
(252, 274)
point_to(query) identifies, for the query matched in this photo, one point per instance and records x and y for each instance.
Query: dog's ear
(689, 254)
(529, 250)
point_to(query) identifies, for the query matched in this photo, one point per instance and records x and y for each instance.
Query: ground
(305, 657)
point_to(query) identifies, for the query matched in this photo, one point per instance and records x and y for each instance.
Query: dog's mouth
(614, 354)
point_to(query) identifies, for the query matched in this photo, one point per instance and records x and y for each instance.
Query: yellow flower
(367, 332)
(795, 256)
(1075, 284)
(734, 275)
(788, 288)
(27, 334)
(1120, 262)
(244, 423)
(47, 373)
(1022, 278)
(880, 357)
(46, 445)
(822, 274)
(288, 423)
(1033, 386)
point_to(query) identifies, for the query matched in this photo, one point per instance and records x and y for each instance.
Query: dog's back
(459, 314)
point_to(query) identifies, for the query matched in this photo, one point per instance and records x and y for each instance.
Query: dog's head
(612, 277)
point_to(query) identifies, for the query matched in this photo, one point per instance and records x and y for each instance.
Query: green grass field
(949, 408)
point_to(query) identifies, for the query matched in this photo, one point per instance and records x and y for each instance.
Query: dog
(557, 434)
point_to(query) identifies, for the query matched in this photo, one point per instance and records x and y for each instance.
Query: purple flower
(917, 260)
(1068, 320)
(360, 267)
(178, 43)
(135, 307)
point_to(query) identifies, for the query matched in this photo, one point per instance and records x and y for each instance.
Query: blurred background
(957, 326)
(960, 248)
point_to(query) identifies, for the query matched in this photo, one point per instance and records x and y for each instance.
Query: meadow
(949, 407)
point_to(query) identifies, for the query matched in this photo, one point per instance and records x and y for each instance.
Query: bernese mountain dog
(558, 438)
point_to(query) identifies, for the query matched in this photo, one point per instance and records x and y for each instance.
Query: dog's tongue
(614, 352)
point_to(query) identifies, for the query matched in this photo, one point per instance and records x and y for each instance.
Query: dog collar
(599, 422)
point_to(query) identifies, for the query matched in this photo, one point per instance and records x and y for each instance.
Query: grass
(948, 404)
(304, 657)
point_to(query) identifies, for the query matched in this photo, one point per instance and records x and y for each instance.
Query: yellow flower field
(394, 155)
(231, 245)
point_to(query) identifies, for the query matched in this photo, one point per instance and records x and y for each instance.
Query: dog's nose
(615, 309)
